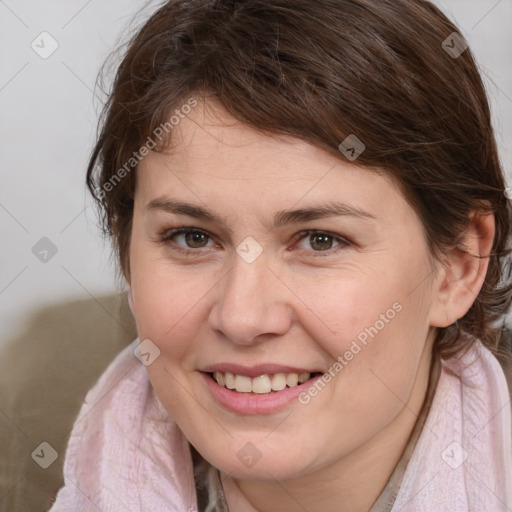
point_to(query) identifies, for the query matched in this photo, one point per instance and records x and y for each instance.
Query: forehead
(214, 157)
(209, 134)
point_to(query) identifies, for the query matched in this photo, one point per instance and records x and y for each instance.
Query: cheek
(372, 326)
(342, 307)
(169, 302)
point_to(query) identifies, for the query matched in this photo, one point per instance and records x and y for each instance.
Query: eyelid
(343, 242)
(170, 234)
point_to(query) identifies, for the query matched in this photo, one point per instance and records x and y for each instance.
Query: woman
(307, 204)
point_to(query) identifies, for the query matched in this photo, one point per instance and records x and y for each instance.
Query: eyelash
(171, 234)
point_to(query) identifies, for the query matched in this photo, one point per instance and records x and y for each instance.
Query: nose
(251, 305)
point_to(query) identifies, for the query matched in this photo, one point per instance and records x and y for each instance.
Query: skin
(291, 307)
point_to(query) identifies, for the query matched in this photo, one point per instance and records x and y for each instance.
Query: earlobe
(463, 271)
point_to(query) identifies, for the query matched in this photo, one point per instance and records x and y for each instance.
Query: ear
(462, 272)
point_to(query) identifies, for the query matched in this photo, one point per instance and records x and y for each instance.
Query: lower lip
(253, 403)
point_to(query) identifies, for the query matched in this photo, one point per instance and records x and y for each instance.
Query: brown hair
(320, 71)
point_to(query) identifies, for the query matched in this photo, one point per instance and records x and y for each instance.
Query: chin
(250, 463)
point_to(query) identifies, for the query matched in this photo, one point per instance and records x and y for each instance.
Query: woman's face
(291, 261)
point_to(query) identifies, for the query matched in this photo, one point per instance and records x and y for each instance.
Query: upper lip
(254, 371)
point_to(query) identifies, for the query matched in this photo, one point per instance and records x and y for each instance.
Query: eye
(321, 241)
(186, 239)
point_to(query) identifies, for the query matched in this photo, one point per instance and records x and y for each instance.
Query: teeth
(230, 381)
(292, 379)
(219, 378)
(279, 381)
(261, 385)
(243, 384)
(303, 377)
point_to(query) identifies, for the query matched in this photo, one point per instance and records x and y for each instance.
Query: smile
(262, 384)
(261, 393)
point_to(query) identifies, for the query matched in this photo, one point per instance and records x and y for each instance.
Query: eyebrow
(281, 218)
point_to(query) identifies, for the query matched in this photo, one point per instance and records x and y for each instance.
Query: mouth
(264, 384)
(265, 388)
